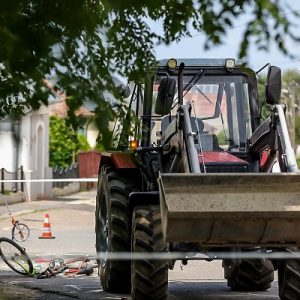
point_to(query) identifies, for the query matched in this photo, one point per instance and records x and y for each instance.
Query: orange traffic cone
(47, 229)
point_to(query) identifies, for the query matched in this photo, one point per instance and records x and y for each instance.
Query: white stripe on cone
(46, 230)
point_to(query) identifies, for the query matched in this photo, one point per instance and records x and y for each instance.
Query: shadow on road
(213, 290)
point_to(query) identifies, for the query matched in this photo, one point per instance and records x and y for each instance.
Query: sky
(193, 47)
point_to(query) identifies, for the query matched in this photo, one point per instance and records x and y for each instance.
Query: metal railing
(12, 186)
(63, 173)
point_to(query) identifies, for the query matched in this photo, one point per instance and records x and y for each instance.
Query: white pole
(289, 151)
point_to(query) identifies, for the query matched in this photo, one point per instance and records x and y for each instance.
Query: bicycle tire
(20, 232)
(15, 257)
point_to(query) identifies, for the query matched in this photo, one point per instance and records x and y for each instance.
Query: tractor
(202, 175)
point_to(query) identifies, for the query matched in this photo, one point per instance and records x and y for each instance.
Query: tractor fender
(124, 163)
(120, 160)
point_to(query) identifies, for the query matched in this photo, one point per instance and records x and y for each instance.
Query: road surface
(72, 224)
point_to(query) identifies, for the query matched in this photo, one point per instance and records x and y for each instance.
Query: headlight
(229, 63)
(172, 64)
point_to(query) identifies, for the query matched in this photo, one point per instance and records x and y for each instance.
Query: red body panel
(220, 157)
(121, 160)
(264, 158)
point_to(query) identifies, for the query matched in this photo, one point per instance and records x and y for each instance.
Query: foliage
(290, 88)
(222, 138)
(291, 78)
(298, 162)
(291, 83)
(261, 88)
(297, 130)
(64, 143)
(83, 143)
(83, 42)
(265, 109)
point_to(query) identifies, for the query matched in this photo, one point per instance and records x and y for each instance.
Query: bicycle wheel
(15, 257)
(20, 232)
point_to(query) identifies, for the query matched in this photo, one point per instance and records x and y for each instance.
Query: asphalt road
(72, 224)
(182, 285)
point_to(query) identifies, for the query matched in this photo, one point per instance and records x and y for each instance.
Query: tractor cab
(221, 100)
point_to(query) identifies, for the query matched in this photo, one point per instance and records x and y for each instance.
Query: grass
(298, 162)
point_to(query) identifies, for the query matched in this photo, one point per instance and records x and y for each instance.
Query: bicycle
(71, 267)
(15, 257)
(20, 231)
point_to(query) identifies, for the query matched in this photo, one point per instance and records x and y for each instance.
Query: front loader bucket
(231, 209)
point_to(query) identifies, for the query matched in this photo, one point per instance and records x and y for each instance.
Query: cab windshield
(219, 106)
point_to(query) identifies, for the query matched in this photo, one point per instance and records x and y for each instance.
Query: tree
(83, 42)
(291, 90)
(265, 108)
(290, 97)
(291, 82)
(64, 143)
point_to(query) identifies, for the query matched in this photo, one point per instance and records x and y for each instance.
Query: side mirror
(165, 96)
(273, 86)
(124, 90)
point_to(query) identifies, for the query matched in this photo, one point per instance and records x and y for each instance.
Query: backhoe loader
(203, 176)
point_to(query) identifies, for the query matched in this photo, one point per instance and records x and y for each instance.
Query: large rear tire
(113, 228)
(249, 275)
(289, 280)
(149, 278)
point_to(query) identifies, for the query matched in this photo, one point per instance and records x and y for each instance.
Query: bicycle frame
(58, 265)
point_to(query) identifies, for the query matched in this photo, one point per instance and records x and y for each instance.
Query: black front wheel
(289, 280)
(149, 277)
(15, 257)
(113, 229)
(249, 275)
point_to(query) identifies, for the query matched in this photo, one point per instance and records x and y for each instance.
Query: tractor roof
(205, 62)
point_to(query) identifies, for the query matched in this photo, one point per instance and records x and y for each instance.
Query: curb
(18, 213)
(12, 199)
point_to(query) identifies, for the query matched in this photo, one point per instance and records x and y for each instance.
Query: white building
(31, 152)
(59, 109)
